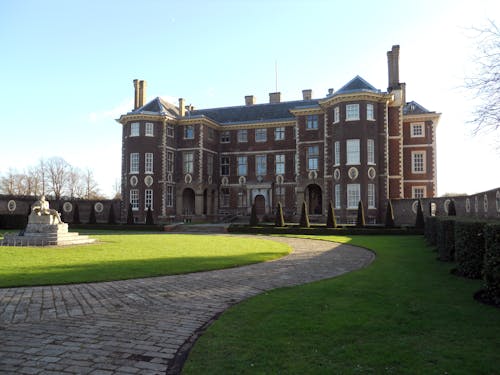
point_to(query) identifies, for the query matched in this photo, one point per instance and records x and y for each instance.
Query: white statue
(41, 208)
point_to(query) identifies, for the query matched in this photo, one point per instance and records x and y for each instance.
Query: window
(312, 158)
(149, 129)
(279, 133)
(211, 133)
(134, 162)
(352, 112)
(189, 132)
(134, 199)
(370, 114)
(242, 165)
(337, 196)
(170, 130)
(312, 122)
(418, 192)
(352, 151)
(170, 162)
(210, 164)
(148, 198)
(260, 135)
(134, 129)
(242, 136)
(225, 137)
(242, 198)
(370, 149)
(170, 196)
(224, 165)
(418, 162)
(353, 196)
(280, 164)
(336, 115)
(188, 162)
(260, 165)
(336, 153)
(371, 196)
(148, 162)
(417, 129)
(224, 197)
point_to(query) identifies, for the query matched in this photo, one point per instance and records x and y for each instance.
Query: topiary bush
(491, 270)
(430, 230)
(254, 220)
(279, 220)
(445, 240)
(389, 215)
(304, 216)
(360, 219)
(92, 218)
(419, 221)
(331, 221)
(149, 217)
(469, 248)
(452, 211)
(76, 214)
(111, 215)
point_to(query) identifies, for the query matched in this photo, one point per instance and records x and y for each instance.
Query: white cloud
(113, 113)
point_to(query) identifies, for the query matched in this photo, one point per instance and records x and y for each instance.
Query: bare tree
(485, 82)
(75, 183)
(91, 186)
(8, 182)
(57, 170)
(117, 189)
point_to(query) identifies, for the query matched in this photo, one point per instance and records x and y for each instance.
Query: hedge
(430, 230)
(445, 239)
(469, 248)
(491, 271)
(11, 221)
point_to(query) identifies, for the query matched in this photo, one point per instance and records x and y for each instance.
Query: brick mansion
(355, 144)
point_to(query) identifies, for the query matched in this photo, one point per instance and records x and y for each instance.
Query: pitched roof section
(413, 108)
(253, 113)
(356, 84)
(158, 106)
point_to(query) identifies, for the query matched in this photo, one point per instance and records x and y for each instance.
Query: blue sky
(68, 68)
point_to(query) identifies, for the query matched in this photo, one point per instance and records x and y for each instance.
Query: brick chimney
(393, 68)
(136, 94)
(307, 94)
(182, 107)
(139, 93)
(250, 100)
(274, 97)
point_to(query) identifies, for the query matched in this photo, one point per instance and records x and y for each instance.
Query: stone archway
(260, 205)
(314, 199)
(188, 198)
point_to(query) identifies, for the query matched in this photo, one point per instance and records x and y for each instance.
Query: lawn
(403, 314)
(124, 256)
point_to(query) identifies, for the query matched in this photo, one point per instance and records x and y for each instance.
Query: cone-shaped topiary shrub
(389, 215)
(452, 211)
(254, 220)
(280, 220)
(331, 221)
(491, 271)
(130, 215)
(149, 217)
(469, 248)
(76, 214)
(111, 216)
(304, 216)
(419, 221)
(360, 219)
(92, 218)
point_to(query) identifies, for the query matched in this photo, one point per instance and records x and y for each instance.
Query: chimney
(393, 68)
(307, 94)
(142, 93)
(330, 92)
(136, 94)
(274, 97)
(182, 108)
(250, 100)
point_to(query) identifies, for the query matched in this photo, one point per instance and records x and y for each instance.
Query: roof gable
(355, 85)
(413, 108)
(157, 106)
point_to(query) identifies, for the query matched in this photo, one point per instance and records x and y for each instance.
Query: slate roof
(356, 84)
(413, 108)
(157, 106)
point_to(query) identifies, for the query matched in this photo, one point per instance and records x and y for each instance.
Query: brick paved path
(137, 326)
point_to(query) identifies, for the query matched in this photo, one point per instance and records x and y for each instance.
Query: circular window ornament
(414, 207)
(485, 203)
(67, 207)
(313, 175)
(242, 180)
(446, 205)
(467, 205)
(210, 179)
(188, 178)
(11, 205)
(169, 178)
(336, 174)
(98, 207)
(259, 178)
(134, 181)
(225, 181)
(279, 179)
(476, 204)
(353, 173)
(498, 200)
(148, 180)
(371, 173)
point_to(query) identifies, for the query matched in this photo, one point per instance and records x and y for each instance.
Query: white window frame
(370, 112)
(338, 196)
(352, 112)
(188, 131)
(225, 136)
(336, 115)
(312, 158)
(279, 164)
(210, 164)
(134, 162)
(260, 165)
(148, 199)
(279, 133)
(416, 190)
(188, 162)
(148, 162)
(170, 130)
(170, 196)
(242, 198)
(352, 151)
(243, 136)
(371, 196)
(336, 153)
(312, 122)
(261, 135)
(135, 129)
(414, 133)
(134, 199)
(224, 165)
(416, 163)
(353, 193)
(242, 165)
(370, 151)
(170, 162)
(149, 129)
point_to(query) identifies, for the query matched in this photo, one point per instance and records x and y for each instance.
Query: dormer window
(352, 112)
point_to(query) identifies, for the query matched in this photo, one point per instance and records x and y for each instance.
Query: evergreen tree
(149, 217)
(254, 220)
(389, 215)
(419, 222)
(331, 221)
(130, 215)
(92, 218)
(360, 219)
(111, 216)
(280, 220)
(452, 211)
(76, 214)
(304, 216)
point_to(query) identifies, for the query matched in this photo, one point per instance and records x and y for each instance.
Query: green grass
(124, 256)
(404, 314)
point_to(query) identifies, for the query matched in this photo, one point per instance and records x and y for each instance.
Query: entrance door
(260, 205)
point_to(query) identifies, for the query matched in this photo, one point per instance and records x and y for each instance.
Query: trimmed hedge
(469, 248)
(430, 230)
(446, 239)
(491, 271)
(11, 221)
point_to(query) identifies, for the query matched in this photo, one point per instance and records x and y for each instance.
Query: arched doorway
(260, 205)
(188, 202)
(314, 199)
